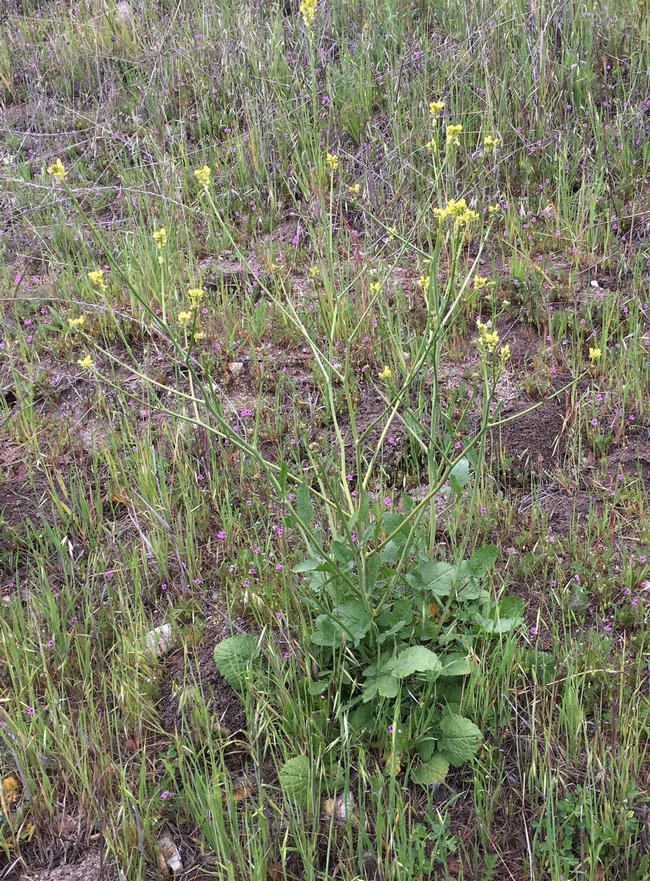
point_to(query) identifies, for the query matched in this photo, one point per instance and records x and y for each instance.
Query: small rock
(169, 855)
(236, 366)
(340, 807)
(595, 284)
(159, 641)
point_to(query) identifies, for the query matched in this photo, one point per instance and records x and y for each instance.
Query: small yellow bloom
(354, 189)
(432, 146)
(195, 295)
(489, 339)
(504, 353)
(77, 322)
(490, 143)
(203, 175)
(493, 209)
(57, 170)
(386, 373)
(198, 336)
(436, 107)
(184, 317)
(375, 287)
(86, 362)
(313, 271)
(10, 789)
(424, 281)
(392, 232)
(332, 161)
(452, 135)
(594, 354)
(479, 282)
(308, 11)
(97, 278)
(160, 237)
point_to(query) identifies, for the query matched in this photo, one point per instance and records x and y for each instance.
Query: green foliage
(233, 657)
(294, 778)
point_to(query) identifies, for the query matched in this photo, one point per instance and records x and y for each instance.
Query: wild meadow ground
(325, 439)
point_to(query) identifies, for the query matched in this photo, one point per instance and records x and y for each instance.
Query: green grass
(331, 371)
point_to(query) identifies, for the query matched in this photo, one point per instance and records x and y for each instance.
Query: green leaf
(471, 591)
(327, 632)
(387, 685)
(294, 778)
(303, 504)
(438, 578)
(354, 618)
(456, 664)
(504, 617)
(433, 771)
(426, 748)
(459, 476)
(308, 565)
(460, 739)
(391, 553)
(232, 658)
(482, 560)
(416, 658)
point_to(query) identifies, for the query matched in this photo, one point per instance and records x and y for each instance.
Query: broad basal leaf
(460, 739)
(416, 659)
(294, 778)
(433, 771)
(232, 657)
(438, 578)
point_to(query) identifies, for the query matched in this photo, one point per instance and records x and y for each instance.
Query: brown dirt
(91, 868)
(229, 717)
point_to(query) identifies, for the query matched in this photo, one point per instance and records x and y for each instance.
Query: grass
(314, 448)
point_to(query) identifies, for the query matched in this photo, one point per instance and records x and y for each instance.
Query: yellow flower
(203, 174)
(479, 282)
(504, 353)
(424, 281)
(432, 146)
(86, 362)
(487, 338)
(313, 271)
(195, 295)
(184, 317)
(494, 208)
(392, 232)
(375, 287)
(594, 354)
(160, 236)
(490, 143)
(458, 210)
(308, 11)
(332, 161)
(198, 336)
(436, 107)
(452, 135)
(77, 322)
(386, 373)
(354, 189)
(57, 170)
(97, 278)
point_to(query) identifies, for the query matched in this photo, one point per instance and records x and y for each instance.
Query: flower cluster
(57, 170)
(86, 362)
(77, 322)
(594, 354)
(203, 175)
(184, 317)
(97, 278)
(452, 135)
(308, 11)
(160, 237)
(332, 161)
(458, 210)
(386, 373)
(436, 107)
(490, 143)
(195, 295)
(487, 338)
